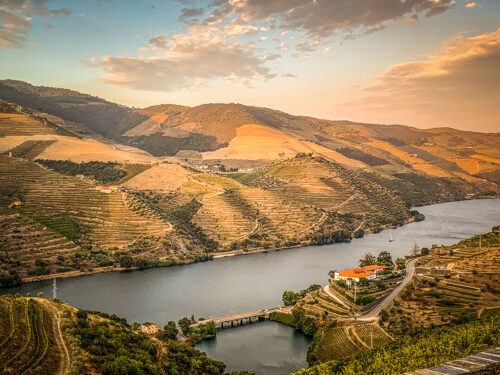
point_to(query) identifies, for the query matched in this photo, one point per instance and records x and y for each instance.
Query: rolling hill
(242, 179)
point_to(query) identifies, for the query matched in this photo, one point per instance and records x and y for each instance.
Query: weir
(235, 320)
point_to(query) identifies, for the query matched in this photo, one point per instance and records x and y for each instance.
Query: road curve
(373, 313)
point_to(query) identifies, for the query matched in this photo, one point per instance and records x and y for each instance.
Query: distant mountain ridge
(236, 131)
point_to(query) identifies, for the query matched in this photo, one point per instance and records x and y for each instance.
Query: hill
(42, 336)
(448, 309)
(239, 132)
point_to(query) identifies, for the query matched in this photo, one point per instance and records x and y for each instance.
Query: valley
(126, 189)
(170, 184)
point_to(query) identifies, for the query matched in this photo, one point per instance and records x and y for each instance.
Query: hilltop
(239, 132)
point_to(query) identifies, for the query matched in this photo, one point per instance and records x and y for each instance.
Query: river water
(256, 281)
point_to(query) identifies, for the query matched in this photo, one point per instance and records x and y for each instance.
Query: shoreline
(218, 255)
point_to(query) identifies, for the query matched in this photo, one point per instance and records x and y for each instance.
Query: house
(149, 328)
(15, 204)
(356, 274)
(439, 252)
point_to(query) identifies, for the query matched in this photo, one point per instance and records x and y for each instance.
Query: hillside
(300, 181)
(237, 132)
(57, 223)
(42, 336)
(449, 309)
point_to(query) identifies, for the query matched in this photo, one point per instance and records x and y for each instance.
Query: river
(256, 281)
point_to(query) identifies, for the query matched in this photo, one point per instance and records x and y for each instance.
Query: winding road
(373, 313)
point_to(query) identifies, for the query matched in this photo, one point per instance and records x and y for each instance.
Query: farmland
(28, 338)
(457, 285)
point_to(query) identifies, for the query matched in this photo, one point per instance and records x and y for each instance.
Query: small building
(439, 252)
(15, 204)
(356, 274)
(149, 328)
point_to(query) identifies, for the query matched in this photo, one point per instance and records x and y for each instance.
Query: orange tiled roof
(355, 273)
(361, 271)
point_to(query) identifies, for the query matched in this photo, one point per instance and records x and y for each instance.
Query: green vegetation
(180, 217)
(297, 319)
(10, 278)
(114, 348)
(26, 349)
(429, 349)
(104, 173)
(290, 297)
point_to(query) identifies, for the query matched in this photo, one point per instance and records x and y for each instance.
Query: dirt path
(65, 365)
(256, 226)
(344, 202)
(355, 334)
(319, 222)
(326, 288)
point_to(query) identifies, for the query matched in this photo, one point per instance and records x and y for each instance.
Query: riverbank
(235, 284)
(218, 255)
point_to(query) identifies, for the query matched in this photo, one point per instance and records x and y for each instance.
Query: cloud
(13, 30)
(323, 18)
(15, 16)
(457, 86)
(187, 60)
(472, 5)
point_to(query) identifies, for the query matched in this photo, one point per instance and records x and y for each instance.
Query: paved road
(373, 313)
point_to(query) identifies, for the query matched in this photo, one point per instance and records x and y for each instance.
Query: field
(28, 342)
(33, 137)
(45, 227)
(347, 340)
(457, 286)
(431, 348)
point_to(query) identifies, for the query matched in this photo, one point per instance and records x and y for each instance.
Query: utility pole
(371, 340)
(354, 291)
(480, 241)
(54, 289)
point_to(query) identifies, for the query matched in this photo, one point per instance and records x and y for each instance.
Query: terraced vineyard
(372, 335)
(341, 342)
(59, 213)
(453, 287)
(335, 344)
(28, 341)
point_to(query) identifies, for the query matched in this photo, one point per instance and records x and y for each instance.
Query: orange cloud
(457, 86)
(472, 5)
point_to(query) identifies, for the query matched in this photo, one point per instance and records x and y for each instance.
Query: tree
(401, 263)
(415, 250)
(185, 324)
(332, 273)
(170, 330)
(289, 297)
(384, 316)
(424, 251)
(367, 259)
(385, 259)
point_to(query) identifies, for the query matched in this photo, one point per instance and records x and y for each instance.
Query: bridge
(235, 320)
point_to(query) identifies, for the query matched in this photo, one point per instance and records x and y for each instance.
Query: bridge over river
(235, 320)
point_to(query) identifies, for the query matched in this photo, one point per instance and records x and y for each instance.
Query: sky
(424, 63)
